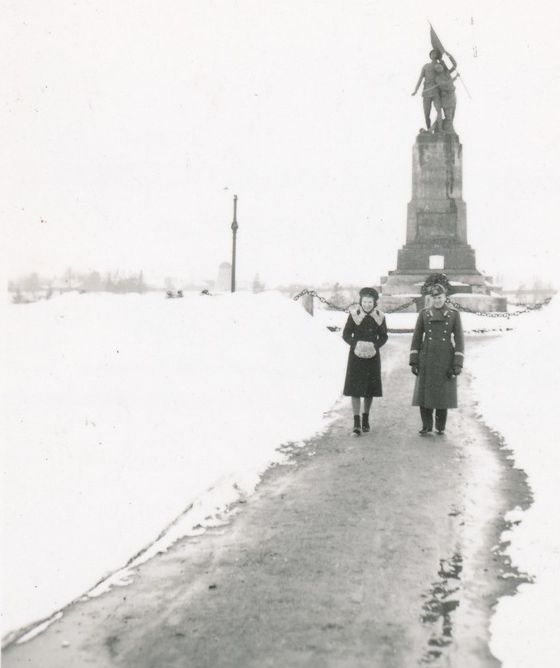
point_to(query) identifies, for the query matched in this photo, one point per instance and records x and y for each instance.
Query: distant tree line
(113, 282)
(31, 287)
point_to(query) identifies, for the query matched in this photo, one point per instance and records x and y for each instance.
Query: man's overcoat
(437, 346)
(363, 376)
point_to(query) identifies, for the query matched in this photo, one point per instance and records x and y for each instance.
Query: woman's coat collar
(358, 314)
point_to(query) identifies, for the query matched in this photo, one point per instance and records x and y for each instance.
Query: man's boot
(441, 420)
(427, 416)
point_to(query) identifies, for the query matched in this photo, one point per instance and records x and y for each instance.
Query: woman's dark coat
(437, 347)
(363, 376)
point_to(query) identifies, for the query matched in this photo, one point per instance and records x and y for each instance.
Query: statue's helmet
(437, 53)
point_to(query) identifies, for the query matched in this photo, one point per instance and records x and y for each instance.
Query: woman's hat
(369, 292)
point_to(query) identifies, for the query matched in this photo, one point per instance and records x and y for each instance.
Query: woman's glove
(414, 369)
(457, 370)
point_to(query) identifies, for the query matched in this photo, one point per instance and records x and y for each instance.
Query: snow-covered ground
(121, 411)
(517, 378)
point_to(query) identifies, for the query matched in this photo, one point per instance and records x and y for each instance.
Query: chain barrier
(346, 309)
(402, 307)
(312, 293)
(502, 314)
(459, 307)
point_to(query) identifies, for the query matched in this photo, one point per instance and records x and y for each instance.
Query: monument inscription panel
(436, 225)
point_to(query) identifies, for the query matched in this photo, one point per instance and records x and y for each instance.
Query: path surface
(371, 551)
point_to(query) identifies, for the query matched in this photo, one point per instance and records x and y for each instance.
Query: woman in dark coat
(365, 332)
(436, 359)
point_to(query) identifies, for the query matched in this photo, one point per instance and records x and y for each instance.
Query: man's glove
(414, 369)
(457, 370)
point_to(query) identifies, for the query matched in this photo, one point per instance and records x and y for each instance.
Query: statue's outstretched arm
(419, 82)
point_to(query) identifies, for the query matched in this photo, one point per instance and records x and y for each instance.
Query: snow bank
(121, 411)
(518, 382)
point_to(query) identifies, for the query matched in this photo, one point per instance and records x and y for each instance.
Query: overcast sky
(129, 125)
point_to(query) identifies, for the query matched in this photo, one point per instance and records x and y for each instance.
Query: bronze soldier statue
(432, 93)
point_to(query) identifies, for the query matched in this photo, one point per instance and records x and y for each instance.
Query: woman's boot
(365, 422)
(356, 431)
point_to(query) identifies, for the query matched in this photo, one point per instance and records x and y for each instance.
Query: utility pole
(234, 228)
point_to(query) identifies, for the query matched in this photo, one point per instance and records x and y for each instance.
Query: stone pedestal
(436, 229)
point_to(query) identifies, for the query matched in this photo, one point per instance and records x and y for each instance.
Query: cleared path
(369, 551)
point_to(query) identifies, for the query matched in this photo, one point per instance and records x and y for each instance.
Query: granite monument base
(471, 290)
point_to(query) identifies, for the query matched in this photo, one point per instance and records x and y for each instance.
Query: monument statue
(439, 90)
(436, 221)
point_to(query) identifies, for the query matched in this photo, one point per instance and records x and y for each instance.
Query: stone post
(307, 303)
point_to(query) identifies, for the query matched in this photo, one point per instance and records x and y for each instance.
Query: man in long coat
(436, 359)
